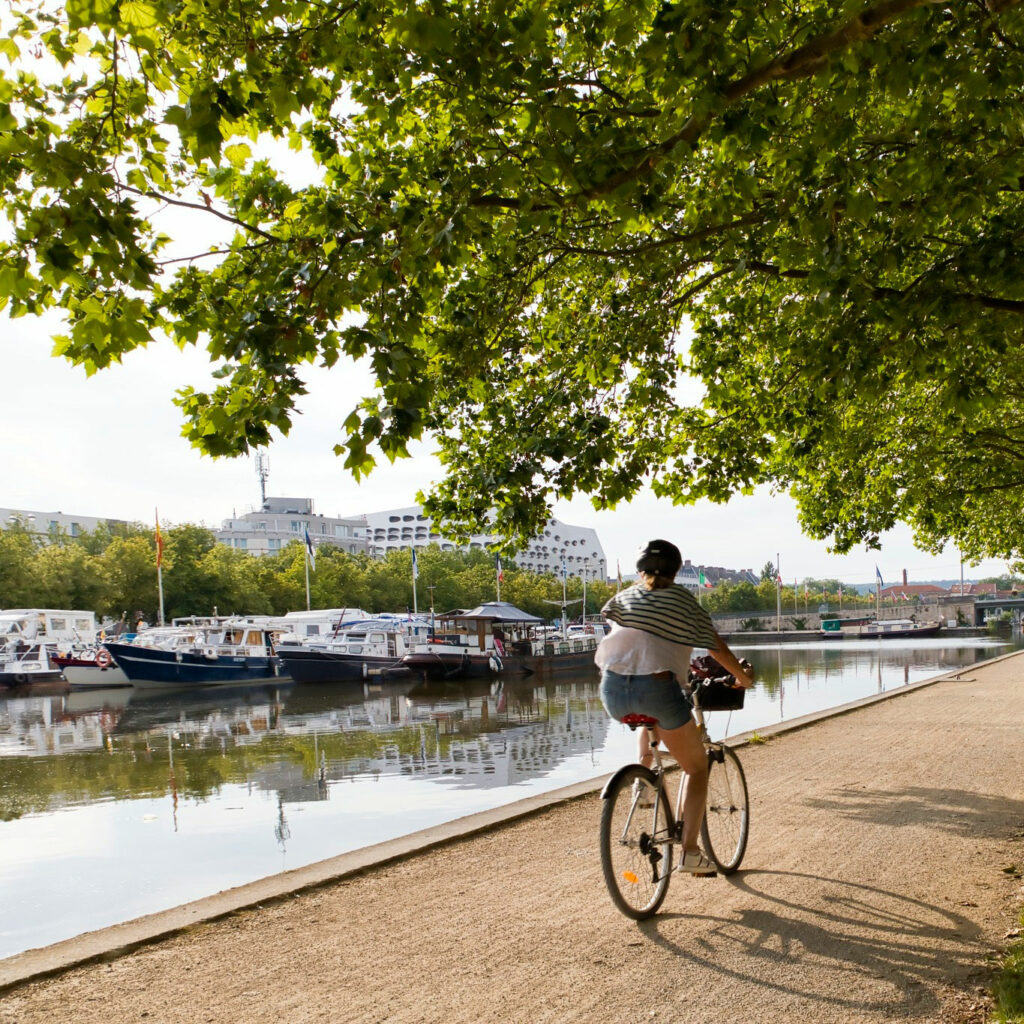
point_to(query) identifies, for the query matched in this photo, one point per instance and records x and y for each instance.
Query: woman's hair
(659, 558)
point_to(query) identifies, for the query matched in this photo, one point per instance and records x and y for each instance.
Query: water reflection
(293, 741)
(161, 797)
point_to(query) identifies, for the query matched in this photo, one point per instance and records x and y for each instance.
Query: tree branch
(149, 194)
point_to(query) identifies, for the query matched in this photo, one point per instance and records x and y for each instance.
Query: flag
(703, 580)
(159, 543)
(878, 576)
(415, 565)
(618, 571)
(840, 590)
(806, 591)
(310, 550)
(778, 578)
(565, 568)
(497, 568)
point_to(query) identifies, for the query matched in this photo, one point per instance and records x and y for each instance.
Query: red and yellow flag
(159, 543)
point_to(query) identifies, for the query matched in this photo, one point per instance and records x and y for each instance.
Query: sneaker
(694, 862)
(643, 793)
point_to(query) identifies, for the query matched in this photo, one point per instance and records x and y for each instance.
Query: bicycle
(637, 841)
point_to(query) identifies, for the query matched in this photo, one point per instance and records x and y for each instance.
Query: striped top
(671, 613)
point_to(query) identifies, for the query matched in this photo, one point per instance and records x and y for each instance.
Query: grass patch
(1008, 990)
(756, 737)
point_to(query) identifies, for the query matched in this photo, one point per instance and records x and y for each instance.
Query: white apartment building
(53, 522)
(282, 520)
(410, 527)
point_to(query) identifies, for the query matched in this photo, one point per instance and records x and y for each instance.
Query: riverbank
(882, 873)
(754, 637)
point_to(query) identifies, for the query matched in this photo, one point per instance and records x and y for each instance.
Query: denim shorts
(644, 695)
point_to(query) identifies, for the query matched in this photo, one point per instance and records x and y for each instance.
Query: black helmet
(659, 558)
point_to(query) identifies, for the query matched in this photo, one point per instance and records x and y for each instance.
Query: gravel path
(883, 872)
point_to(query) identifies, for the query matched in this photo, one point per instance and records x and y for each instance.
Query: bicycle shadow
(833, 947)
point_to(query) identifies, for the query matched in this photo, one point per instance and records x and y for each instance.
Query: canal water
(119, 803)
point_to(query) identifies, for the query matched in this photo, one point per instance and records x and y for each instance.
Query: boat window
(355, 649)
(56, 623)
(377, 638)
(83, 624)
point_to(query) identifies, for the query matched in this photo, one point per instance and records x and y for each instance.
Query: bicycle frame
(674, 829)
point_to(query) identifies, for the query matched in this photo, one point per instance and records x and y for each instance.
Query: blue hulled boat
(233, 651)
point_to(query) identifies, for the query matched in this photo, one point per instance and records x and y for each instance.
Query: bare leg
(644, 753)
(685, 746)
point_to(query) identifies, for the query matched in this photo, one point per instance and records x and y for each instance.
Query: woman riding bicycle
(645, 657)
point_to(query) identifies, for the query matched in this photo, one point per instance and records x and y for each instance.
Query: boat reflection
(293, 740)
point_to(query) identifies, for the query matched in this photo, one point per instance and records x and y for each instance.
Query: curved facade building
(410, 527)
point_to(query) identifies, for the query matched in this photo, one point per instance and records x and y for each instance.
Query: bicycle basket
(717, 695)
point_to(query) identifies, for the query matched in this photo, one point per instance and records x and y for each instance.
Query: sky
(111, 446)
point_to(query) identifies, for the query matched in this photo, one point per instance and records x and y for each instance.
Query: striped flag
(415, 565)
(310, 550)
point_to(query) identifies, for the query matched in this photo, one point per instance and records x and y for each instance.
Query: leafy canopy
(545, 225)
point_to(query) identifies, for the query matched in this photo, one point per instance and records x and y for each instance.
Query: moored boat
(374, 647)
(92, 667)
(498, 639)
(221, 652)
(30, 637)
(880, 629)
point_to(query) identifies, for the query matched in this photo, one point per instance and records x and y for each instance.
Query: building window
(273, 543)
(241, 542)
(296, 526)
(76, 530)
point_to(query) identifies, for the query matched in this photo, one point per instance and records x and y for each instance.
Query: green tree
(18, 548)
(129, 565)
(518, 214)
(67, 576)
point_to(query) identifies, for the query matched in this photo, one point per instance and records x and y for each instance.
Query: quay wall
(944, 608)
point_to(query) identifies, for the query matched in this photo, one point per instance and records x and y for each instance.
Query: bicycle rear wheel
(636, 852)
(726, 821)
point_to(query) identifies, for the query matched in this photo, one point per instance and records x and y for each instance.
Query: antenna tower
(263, 471)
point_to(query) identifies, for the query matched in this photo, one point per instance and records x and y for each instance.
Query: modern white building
(410, 527)
(282, 520)
(53, 522)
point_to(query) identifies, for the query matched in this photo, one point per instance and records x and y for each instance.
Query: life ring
(103, 658)
(495, 663)
(499, 647)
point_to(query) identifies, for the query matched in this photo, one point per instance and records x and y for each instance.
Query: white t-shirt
(635, 652)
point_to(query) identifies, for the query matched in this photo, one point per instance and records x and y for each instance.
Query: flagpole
(159, 564)
(778, 594)
(306, 547)
(497, 577)
(415, 575)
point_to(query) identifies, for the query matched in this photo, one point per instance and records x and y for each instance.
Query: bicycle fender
(653, 779)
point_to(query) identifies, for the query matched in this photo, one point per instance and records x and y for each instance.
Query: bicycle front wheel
(636, 851)
(727, 816)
